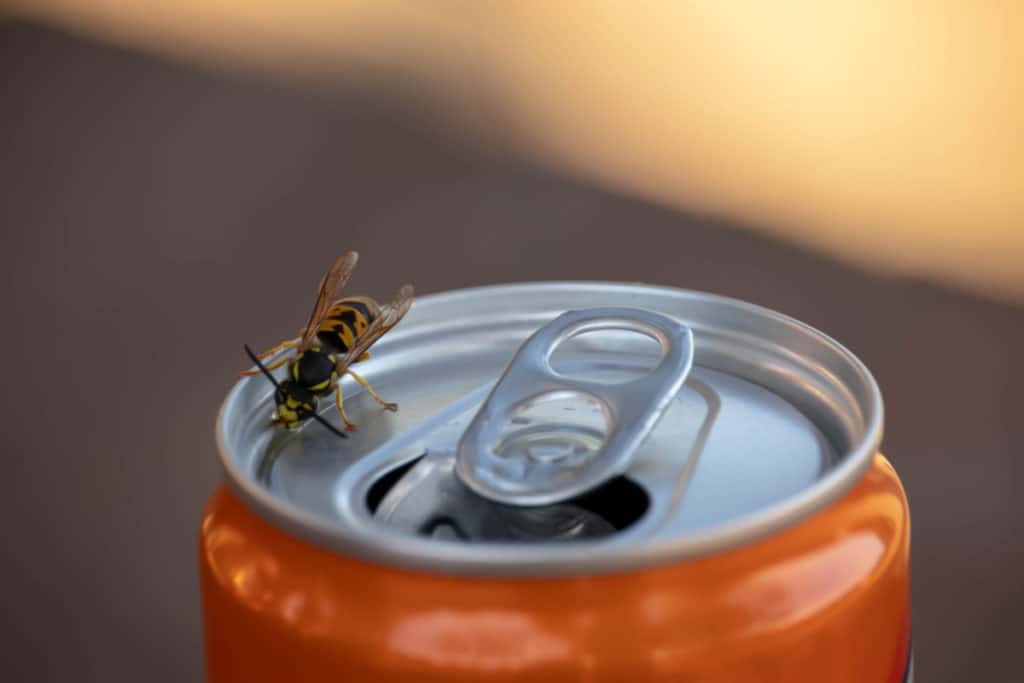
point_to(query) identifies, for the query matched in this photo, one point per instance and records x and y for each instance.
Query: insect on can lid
(774, 421)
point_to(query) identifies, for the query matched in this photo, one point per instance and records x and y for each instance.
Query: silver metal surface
(555, 460)
(774, 421)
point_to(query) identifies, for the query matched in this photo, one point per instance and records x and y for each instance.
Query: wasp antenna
(260, 365)
(327, 425)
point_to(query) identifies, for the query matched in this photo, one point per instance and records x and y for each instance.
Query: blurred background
(174, 177)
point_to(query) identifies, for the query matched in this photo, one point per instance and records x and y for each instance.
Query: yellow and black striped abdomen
(346, 320)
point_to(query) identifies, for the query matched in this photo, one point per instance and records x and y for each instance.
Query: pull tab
(630, 410)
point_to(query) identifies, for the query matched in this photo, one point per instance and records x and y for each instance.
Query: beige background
(886, 133)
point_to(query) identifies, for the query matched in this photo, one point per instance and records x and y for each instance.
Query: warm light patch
(480, 640)
(886, 133)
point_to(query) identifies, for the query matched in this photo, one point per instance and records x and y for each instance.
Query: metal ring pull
(630, 410)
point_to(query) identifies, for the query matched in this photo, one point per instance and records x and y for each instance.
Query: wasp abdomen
(346, 320)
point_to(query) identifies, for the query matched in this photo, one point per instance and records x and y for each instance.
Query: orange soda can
(585, 482)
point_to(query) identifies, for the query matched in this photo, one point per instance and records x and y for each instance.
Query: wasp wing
(333, 281)
(390, 315)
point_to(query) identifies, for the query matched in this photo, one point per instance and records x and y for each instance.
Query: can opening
(423, 497)
(381, 487)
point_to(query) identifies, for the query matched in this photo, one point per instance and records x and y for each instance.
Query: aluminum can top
(565, 428)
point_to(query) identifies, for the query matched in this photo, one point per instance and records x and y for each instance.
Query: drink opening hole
(604, 511)
(380, 488)
(601, 513)
(609, 356)
(621, 502)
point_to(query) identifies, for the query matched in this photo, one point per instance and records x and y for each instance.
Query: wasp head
(295, 404)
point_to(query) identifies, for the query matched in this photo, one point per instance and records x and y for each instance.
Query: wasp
(302, 401)
(339, 333)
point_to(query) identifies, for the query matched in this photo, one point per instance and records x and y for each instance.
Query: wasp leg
(276, 364)
(273, 366)
(283, 345)
(389, 406)
(349, 427)
(279, 362)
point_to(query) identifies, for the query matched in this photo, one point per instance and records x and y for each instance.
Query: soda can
(585, 482)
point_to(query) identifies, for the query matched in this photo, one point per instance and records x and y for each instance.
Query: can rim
(506, 560)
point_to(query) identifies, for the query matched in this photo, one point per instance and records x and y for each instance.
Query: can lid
(773, 421)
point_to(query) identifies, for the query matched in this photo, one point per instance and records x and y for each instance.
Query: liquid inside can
(643, 483)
